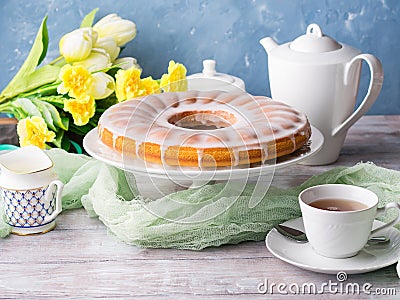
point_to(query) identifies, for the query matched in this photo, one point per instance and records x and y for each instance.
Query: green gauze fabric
(187, 219)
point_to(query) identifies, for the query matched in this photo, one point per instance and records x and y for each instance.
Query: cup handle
(381, 211)
(375, 86)
(58, 205)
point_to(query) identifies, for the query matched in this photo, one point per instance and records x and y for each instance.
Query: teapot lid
(314, 41)
(209, 79)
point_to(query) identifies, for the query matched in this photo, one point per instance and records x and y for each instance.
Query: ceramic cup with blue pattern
(33, 210)
(30, 190)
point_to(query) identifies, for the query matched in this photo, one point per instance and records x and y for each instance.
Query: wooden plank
(8, 121)
(122, 278)
(101, 246)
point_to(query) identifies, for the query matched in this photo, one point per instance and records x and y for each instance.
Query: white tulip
(103, 85)
(77, 45)
(121, 30)
(126, 63)
(107, 43)
(97, 60)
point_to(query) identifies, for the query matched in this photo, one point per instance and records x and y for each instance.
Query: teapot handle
(375, 86)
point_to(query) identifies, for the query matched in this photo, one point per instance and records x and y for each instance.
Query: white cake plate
(95, 147)
(170, 178)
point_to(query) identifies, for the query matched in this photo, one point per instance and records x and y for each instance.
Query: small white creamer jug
(30, 190)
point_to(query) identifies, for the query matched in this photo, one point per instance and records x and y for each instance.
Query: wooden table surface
(79, 259)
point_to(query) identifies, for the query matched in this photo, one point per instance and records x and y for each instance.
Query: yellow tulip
(103, 85)
(127, 63)
(81, 109)
(175, 80)
(127, 84)
(108, 44)
(121, 30)
(33, 131)
(77, 45)
(97, 60)
(76, 81)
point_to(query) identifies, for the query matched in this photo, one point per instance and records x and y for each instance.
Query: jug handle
(375, 86)
(58, 205)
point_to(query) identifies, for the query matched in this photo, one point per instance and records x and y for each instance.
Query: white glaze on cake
(259, 121)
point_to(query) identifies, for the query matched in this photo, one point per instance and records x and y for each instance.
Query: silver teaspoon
(300, 237)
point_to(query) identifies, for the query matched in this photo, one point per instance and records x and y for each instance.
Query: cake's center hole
(203, 120)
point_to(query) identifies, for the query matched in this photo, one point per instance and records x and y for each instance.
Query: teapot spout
(268, 43)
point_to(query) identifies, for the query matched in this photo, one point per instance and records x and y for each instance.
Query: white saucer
(95, 147)
(370, 258)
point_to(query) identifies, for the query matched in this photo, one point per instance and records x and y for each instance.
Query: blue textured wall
(189, 31)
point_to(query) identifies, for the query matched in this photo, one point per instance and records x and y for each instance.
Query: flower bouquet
(57, 103)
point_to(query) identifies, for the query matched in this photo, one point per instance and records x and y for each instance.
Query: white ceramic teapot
(30, 190)
(320, 77)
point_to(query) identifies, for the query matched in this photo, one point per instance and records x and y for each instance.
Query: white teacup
(341, 234)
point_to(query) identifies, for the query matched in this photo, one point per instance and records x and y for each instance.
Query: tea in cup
(338, 218)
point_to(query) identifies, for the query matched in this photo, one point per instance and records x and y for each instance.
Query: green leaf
(65, 143)
(57, 101)
(44, 40)
(65, 122)
(19, 113)
(46, 89)
(113, 67)
(36, 55)
(89, 18)
(55, 116)
(62, 141)
(58, 139)
(6, 107)
(81, 130)
(45, 113)
(44, 75)
(105, 103)
(27, 106)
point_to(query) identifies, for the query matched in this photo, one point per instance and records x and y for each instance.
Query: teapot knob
(314, 29)
(209, 67)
